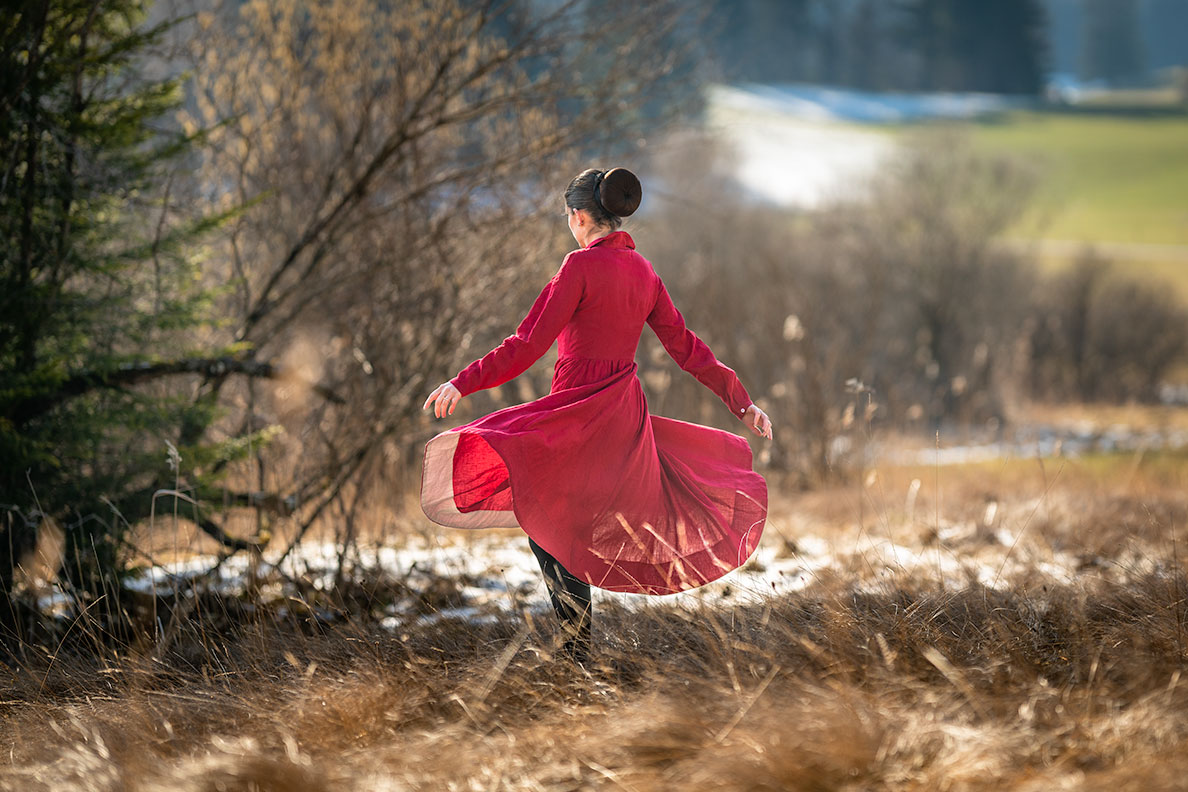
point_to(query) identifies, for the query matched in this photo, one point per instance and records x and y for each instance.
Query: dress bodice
(596, 306)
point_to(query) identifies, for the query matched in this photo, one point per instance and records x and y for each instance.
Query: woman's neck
(595, 233)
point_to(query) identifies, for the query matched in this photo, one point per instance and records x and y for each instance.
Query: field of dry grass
(1017, 625)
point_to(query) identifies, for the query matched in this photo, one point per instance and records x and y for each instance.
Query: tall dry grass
(880, 673)
(898, 682)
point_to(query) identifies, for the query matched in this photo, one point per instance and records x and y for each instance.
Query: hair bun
(620, 192)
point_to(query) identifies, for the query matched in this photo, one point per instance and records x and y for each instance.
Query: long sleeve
(694, 356)
(549, 315)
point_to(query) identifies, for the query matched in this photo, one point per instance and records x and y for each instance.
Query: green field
(1105, 178)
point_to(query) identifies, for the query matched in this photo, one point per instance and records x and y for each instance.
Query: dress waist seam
(568, 358)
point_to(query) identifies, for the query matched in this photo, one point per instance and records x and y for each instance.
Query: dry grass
(874, 676)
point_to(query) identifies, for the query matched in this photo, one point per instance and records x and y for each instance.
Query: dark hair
(608, 196)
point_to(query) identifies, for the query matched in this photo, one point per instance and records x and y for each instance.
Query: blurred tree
(967, 45)
(862, 55)
(377, 178)
(898, 300)
(950, 45)
(939, 309)
(1064, 33)
(1111, 41)
(407, 163)
(1097, 336)
(98, 298)
(1165, 32)
(764, 40)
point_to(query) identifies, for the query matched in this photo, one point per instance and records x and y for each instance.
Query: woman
(609, 495)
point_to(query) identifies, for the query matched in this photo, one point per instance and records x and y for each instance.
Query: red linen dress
(624, 500)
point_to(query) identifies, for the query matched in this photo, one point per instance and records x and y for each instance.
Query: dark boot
(571, 602)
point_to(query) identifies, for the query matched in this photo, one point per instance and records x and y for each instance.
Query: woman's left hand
(758, 421)
(445, 398)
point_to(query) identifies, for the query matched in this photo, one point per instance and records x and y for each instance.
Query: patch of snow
(789, 161)
(497, 573)
(823, 103)
(805, 145)
(1039, 441)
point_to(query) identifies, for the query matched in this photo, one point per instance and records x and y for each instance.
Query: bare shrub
(1098, 336)
(398, 161)
(896, 304)
(955, 298)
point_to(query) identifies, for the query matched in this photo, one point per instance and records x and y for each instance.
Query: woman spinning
(609, 495)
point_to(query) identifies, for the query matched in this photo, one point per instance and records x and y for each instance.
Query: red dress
(624, 500)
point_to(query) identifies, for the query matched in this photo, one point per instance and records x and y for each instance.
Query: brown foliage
(881, 672)
(895, 304)
(1098, 336)
(397, 162)
(901, 686)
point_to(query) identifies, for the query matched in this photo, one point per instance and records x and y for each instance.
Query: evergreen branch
(130, 374)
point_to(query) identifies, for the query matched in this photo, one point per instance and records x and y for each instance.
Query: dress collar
(615, 239)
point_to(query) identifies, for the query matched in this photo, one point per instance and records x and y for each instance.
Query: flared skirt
(623, 499)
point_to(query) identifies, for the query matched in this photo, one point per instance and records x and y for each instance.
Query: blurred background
(244, 240)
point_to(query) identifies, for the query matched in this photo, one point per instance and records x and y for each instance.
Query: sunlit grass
(903, 685)
(1064, 673)
(1105, 178)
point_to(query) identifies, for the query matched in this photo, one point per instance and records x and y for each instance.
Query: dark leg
(571, 601)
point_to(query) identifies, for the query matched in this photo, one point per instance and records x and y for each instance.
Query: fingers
(759, 421)
(445, 398)
(437, 394)
(762, 424)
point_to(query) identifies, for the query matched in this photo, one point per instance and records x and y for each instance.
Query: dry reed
(872, 676)
(907, 685)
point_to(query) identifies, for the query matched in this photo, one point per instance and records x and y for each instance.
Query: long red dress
(624, 500)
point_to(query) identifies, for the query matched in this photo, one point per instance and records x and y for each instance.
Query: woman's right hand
(758, 421)
(445, 398)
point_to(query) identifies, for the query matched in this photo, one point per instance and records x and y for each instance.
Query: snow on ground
(822, 103)
(1031, 442)
(480, 575)
(792, 161)
(489, 574)
(804, 145)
